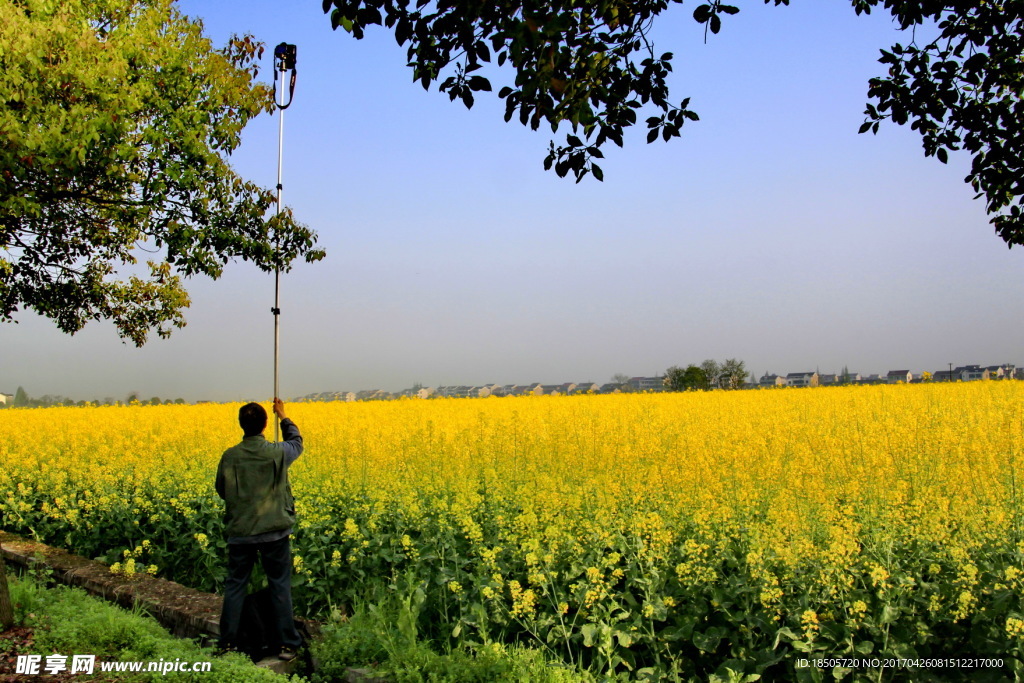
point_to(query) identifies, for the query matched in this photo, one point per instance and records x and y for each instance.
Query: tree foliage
(962, 90)
(675, 379)
(710, 374)
(712, 370)
(118, 117)
(691, 378)
(732, 374)
(590, 64)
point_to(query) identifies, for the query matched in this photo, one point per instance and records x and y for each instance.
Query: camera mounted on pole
(285, 57)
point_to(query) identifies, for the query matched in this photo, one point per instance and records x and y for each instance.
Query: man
(252, 478)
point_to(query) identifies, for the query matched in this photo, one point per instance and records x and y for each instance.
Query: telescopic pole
(277, 269)
(284, 61)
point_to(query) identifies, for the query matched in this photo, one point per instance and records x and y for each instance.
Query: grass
(381, 638)
(68, 621)
(384, 638)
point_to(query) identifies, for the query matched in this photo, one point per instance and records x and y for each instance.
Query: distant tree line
(23, 400)
(729, 374)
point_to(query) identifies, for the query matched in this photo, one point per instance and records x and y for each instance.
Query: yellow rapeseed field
(656, 533)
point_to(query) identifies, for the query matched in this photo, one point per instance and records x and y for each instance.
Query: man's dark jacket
(252, 478)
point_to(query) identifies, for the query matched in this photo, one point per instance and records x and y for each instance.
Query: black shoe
(287, 654)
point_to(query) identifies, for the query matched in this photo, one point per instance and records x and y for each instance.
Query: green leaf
(889, 614)
(707, 641)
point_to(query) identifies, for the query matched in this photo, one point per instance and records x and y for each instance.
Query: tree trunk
(6, 610)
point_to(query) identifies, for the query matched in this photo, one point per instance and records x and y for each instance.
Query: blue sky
(771, 232)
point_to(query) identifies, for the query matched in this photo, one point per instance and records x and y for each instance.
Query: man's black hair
(253, 419)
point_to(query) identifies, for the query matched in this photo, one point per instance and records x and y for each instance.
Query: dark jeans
(276, 557)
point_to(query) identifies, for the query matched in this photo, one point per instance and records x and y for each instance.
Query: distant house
(534, 389)
(896, 376)
(771, 380)
(504, 390)
(372, 395)
(611, 388)
(6, 399)
(1004, 371)
(971, 373)
(586, 388)
(871, 379)
(647, 383)
(945, 376)
(830, 379)
(802, 379)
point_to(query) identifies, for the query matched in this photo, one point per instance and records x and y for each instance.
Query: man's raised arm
(292, 442)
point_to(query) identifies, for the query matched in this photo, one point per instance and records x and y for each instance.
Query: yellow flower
(809, 621)
(879, 576)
